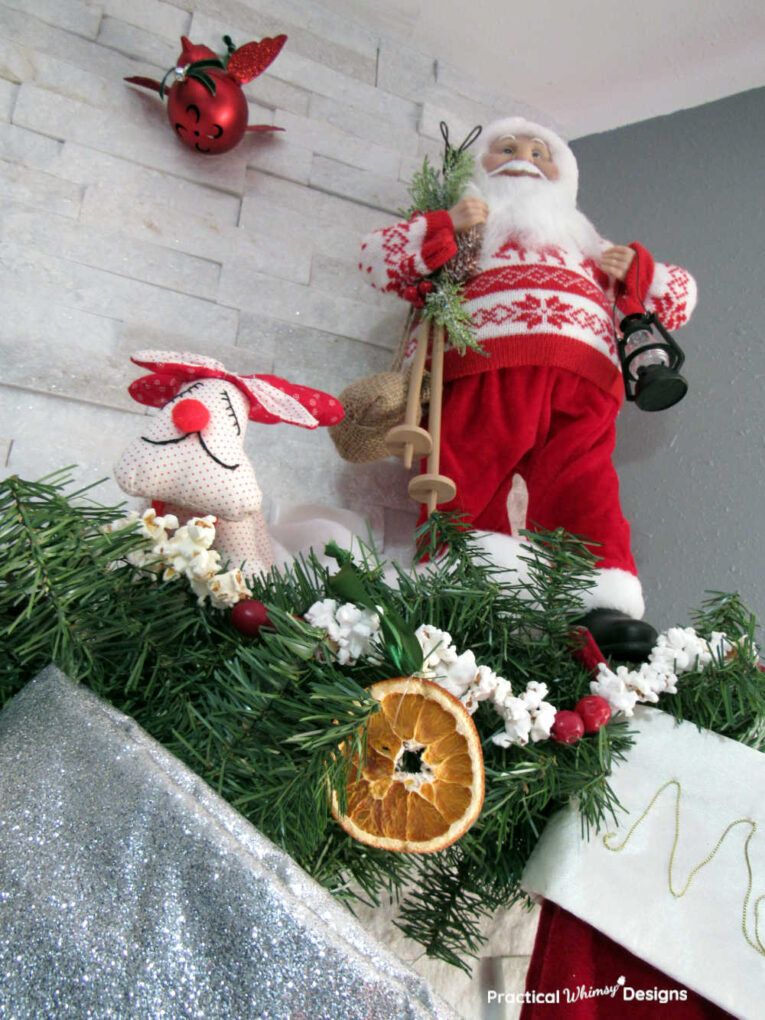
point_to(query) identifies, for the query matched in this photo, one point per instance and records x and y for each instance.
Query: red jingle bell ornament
(206, 106)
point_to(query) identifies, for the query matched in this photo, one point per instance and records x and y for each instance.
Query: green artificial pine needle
(263, 720)
(433, 189)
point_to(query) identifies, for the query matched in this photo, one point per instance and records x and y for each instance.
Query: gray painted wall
(689, 186)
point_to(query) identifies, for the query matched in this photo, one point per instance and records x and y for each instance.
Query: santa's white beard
(535, 212)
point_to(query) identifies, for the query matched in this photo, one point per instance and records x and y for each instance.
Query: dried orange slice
(422, 784)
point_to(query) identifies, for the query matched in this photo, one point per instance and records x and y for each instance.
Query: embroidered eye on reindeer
(189, 459)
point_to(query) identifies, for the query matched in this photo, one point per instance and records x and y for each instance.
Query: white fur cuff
(613, 588)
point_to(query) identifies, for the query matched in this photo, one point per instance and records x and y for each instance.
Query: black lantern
(650, 364)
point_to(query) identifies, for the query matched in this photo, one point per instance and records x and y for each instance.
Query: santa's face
(531, 200)
(520, 156)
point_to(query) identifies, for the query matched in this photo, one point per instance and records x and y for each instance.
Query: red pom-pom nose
(190, 415)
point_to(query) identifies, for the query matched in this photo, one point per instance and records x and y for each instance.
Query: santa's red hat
(271, 399)
(562, 155)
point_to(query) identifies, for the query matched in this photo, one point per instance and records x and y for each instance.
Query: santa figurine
(528, 431)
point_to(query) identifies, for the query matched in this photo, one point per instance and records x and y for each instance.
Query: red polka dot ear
(271, 398)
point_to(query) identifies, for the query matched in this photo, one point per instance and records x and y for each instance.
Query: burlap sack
(373, 405)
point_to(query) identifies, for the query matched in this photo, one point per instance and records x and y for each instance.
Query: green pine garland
(261, 719)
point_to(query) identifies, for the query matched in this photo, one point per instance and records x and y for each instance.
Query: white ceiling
(590, 65)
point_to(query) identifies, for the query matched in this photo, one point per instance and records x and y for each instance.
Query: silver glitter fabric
(128, 889)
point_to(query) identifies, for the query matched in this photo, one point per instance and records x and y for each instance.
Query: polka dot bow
(271, 398)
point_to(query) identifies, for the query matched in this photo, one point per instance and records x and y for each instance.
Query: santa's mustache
(517, 166)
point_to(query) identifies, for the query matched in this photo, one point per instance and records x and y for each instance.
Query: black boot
(620, 636)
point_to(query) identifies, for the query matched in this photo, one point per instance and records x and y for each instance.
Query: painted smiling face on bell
(190, 453)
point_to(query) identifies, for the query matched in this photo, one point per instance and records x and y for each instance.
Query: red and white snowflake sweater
(531, 307)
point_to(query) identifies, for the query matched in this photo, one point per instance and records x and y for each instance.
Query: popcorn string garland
(677, 650)
(186, 553)
(354, 633)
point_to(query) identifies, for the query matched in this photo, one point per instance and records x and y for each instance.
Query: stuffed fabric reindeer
(189, 459)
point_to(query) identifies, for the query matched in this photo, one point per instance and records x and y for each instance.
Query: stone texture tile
(39, 190)
(31, 34)
(49, 433)
(283, 299)
(316, 473)
(341, 275)
(138, 43)
(187, 199)
(376, 190)
(326, 226)
(456, 83)
(146, 220)
(68, 79)
(337, 143)
(334, 223)
(259, 336)
(396, 133)
(82, 19)
(314, 468)
(285, 155)
(277, 256)
(8, 92)
(17, 62)
(460, 121)
(27, 149)
(162, 19)
(51, 348)
(274, 252)
(328, 362)
(382, 484)
(432, 147)
(403, 71)
(324, 80)
(237, 359)
(100, 247)
(399, 527)
(298, 348)
(55, 279)
(320, 19)
(279, 95)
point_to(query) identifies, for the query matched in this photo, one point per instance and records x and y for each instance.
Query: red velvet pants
(555, 429)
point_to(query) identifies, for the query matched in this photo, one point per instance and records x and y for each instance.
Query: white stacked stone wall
(117, 238)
